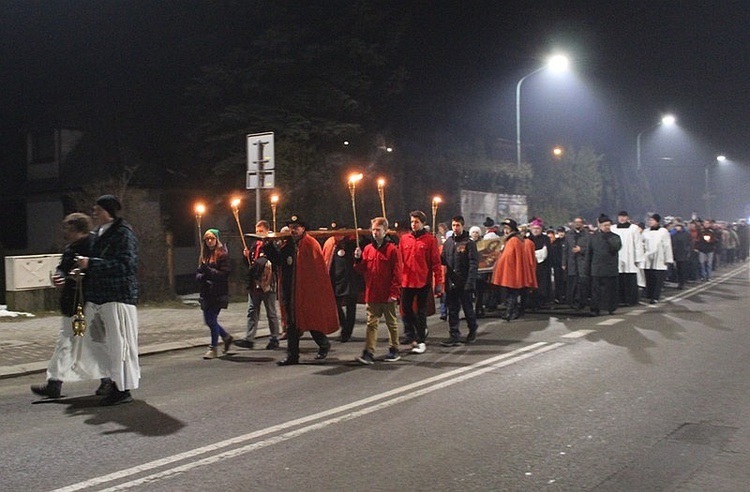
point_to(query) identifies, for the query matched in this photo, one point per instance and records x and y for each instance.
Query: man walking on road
(307, 293)
(603, 258)
(380, 264)
(111, 294)
(461, 261)
(261, 289)
(421, 256)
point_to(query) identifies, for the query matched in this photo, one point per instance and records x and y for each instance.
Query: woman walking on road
(213, 277)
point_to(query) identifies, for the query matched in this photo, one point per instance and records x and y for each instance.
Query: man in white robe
(631, 258)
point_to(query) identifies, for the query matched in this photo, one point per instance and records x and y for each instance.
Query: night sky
(631, 62)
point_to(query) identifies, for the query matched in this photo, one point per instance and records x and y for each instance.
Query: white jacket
(657, 246)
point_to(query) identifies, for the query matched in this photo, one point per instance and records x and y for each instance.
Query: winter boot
(50, 389)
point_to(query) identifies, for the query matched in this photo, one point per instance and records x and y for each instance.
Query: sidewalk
(26, 344)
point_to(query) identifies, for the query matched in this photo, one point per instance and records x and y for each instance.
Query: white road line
(610, 321)
(391, 398)
(635, 312)
(578, 334)
(700, 288)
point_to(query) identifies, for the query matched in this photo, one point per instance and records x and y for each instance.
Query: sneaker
(272, 344)
(227, 343)
(366, 358)
(244, 343)
(50, 389)
(211, 353)
(105, 387)
(451, 342)
(392, 355)
(471, 337)
(419, 348)
(117, 398)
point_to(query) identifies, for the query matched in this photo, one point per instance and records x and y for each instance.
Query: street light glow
(721, 158)
(558, 63)
(668, 120)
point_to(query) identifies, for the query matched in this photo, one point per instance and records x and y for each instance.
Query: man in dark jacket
(682, 245)
(461, 261)
(338, 252)
(576, 264)
(604, 267)
(111, 292)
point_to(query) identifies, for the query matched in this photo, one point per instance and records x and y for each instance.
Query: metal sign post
(260, 166)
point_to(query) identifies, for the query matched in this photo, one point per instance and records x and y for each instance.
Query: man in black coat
(576, 264)
(461, 261)
(604, 267)
(682, 246)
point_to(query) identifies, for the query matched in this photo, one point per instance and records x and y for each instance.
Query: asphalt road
(651, 398)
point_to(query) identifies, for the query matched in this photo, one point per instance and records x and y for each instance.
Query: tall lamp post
(556, 63)
(667, 120)
(707, 194)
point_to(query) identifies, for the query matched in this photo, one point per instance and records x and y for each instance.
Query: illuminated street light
(667, 120)
(707, 195)
(557, 152)
(555, 63)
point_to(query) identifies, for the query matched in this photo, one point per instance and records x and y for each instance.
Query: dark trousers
(682, 273)
(578, 291)
(628, 288)
(293, 336)
(481, 288)
(458, 299)
(415, 323)
(560, 278)
(654, 283)
(603, 294)
(347, 307)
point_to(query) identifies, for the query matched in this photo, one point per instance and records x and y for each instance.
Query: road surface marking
(578, 333)
(610, 321)
(369, 405)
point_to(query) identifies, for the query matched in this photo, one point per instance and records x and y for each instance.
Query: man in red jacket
(421, 256)
(380, 264)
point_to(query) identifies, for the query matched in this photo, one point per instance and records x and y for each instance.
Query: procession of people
(307, 286)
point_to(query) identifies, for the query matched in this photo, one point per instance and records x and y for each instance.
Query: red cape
(314, 302)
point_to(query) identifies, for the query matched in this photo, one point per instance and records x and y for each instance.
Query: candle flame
(436, 200)
(381, 182)
(200, 209)
(354, 178)
(274, 198)
(236, 203)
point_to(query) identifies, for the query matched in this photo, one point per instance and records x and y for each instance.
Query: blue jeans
(211, 318)
(707, 262)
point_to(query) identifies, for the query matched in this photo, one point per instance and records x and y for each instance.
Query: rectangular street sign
(263, 180)
(260, 160)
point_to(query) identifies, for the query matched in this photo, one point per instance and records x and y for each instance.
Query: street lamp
(707, 194)
(667, 120)
(555, 63)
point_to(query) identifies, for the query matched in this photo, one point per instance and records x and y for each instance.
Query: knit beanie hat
(215, 232)
(110, 203)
